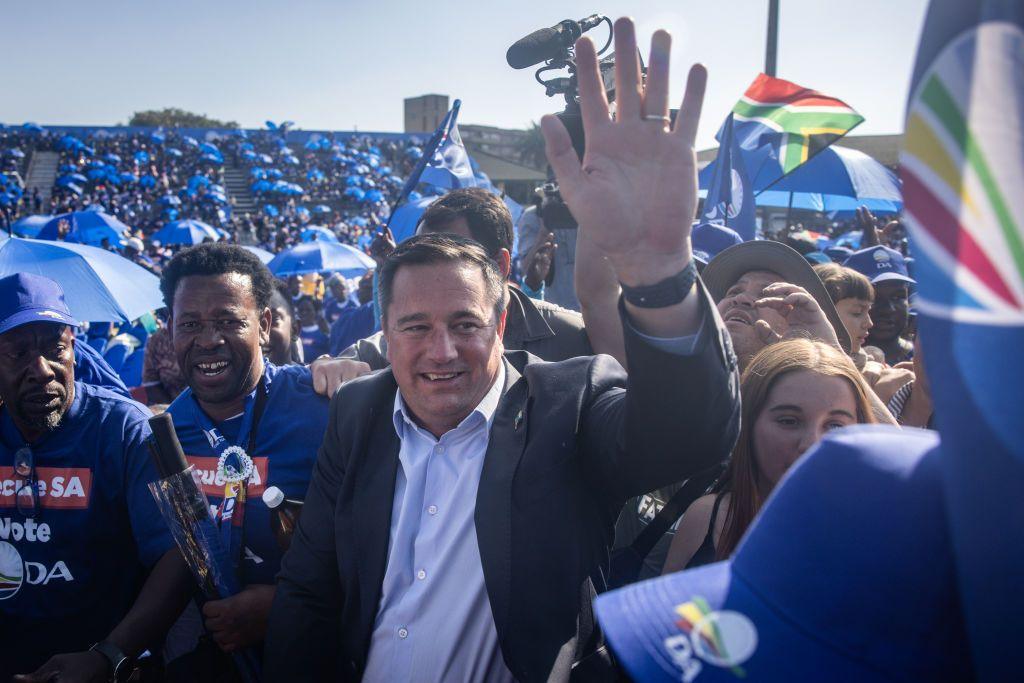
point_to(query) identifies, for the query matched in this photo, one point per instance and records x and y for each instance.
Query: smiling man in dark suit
(462, 506)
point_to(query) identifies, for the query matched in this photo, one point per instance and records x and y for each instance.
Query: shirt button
(432, 509)
(421, 575)
(440, 449)
(403, 633)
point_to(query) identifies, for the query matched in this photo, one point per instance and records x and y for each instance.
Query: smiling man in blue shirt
(243, 423)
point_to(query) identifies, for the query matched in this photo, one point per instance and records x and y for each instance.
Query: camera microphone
(548, 43)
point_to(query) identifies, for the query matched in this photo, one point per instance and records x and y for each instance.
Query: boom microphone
(548, 43)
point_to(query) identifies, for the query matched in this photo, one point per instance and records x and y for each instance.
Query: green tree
(172, 117)
(531, 147)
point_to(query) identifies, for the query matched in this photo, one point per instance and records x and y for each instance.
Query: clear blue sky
(337, 64)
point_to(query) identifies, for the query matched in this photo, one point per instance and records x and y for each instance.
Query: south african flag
(797, 121)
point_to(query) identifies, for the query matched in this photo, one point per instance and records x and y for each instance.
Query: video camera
(553, 48)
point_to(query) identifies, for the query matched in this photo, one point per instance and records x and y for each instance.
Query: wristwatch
(121, 665)
(669, 291)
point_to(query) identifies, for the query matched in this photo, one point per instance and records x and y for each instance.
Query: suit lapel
(373, 495)
(493, 515)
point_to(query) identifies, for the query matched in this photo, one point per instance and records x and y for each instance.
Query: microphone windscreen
(533, 49)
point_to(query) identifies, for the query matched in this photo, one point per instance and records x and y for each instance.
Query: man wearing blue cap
(887, 270)
(78, 529)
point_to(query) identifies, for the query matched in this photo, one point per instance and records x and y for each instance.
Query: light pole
(772, 48)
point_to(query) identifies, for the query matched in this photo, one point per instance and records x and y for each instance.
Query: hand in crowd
(382, 246)
(538, 261)
(76, 667)
(241, 620)
(331, 373)
(872, 234)
(802, 314)
(635, 192)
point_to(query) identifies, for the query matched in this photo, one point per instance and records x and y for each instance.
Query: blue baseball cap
(710, 238)
(27, 298)
(838, 254)
(847, 574)
(879, 264)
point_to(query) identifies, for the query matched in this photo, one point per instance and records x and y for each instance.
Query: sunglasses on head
(27, 495)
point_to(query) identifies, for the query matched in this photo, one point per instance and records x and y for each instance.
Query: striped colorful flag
(963, 184)
(797, 121)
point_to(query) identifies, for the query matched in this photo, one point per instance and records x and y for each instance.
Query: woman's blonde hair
(765, 369)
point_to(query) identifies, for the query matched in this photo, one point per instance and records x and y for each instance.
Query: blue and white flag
(429, 151)
(449, 166)
(730, 199)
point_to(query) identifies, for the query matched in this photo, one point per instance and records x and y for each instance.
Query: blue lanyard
(233, 503)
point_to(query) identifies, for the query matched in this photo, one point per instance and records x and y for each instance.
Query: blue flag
(429, 151)
(450, 166)
(730, 199)
(963, 182)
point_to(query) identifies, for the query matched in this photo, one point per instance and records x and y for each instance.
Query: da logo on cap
(721, 638)
(51, 314)
(882, 255)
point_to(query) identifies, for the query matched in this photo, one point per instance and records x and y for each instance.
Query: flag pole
(772, 46)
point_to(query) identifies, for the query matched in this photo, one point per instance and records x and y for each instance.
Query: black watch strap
(120, 664)
(669, 291)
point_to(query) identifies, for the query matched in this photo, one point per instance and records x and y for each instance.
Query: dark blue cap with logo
(27, 298)
(879, 263)
(710, 238)
(847, 574)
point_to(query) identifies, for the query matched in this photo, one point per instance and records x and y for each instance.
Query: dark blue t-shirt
(69, 575)
(314, 343)
(352, 325)
(287, 440)
(91, 368)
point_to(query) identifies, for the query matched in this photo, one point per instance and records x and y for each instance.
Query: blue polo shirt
(287, 440)
(71, 573)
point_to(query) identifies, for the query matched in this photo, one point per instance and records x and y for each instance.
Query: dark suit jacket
(547, 331)
(570, 443)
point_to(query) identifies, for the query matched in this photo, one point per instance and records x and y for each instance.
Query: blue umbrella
(148, 181)
(403, 221)
(835, 170)
(73, 177)
(212, 158)
(158, 138)
(29, 226)
(261, 186)
(87, 227)
(142, 156)
(16, 153)
(249, 155)
(321, 208)
(261, 254)
(169, 200)
(186, 231)
(173, 152)
(32, 127)
(98, 285)
(318, 233)
(271, 210)
(190, 141)
(209, 148)
(112, 158)
(321, 256)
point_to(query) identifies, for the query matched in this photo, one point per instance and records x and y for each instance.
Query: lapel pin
(518, 422)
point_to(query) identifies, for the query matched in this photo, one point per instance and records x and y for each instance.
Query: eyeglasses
(27, 495)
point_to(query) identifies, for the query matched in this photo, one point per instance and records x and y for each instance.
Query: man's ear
(504, 260)
(501, 322)
(266, 319)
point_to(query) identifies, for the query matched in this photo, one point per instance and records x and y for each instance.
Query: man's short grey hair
(442, 248)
